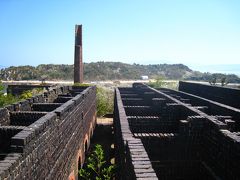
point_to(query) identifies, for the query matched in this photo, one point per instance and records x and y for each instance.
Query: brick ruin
(159, 134)
(224, 95)
(18, 89)
(47, 136)
(193, 133)
(168, 134)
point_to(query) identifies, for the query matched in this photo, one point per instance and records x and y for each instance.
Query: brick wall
(223, 95)
(212, 108)
(49, 145)
(4, 117)
(130, 155)
(19, 89)
(184, 136)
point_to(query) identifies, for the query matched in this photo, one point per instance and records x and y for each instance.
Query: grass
(105, 96)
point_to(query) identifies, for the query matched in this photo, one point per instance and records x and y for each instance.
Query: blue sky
(199, 32)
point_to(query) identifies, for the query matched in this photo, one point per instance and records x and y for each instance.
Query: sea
(217, 68)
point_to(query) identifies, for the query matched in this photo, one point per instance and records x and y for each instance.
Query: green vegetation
(159, 82)
(213, 81)
(224, 81)
(99, 71)
(41, 72)
(104, 99)
(81, 84)
(213, 78)
(30, 93)
(219, 78)
(6, 99)
(96, 167)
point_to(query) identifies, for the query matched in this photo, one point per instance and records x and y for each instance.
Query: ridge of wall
(224, 95)
(53, 145)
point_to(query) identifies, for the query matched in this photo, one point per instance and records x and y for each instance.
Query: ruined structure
(159, 133)
(46, 137)
(224, 95)
(167, 134)
(78, 64)
(18, 89)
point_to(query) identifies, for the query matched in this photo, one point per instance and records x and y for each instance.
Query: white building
(144, 77)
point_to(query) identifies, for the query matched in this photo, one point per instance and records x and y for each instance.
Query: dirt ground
(104, 120)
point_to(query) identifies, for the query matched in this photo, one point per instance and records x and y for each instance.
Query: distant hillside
(106, 71)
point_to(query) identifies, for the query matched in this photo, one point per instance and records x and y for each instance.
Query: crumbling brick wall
(223, 95)
(130, 155)
(18, 89)
(50, 146)
(193, 138)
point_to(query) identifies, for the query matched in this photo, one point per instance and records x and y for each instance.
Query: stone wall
(47, 144)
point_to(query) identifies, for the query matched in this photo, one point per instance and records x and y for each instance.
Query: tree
(213, 81)
(43, 79)
(224, 81)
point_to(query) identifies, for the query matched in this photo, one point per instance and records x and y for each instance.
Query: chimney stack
(78, 64)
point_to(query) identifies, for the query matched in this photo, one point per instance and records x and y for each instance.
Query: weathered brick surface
(78, 62)
(24, 118)
(223, 95)
(127, 148)
(4, 117)
(46, 107)
(49, 146)
(25, 105)
(184, 136)
(19, 89)
(62, 99)
(213, 108)
(6, 132)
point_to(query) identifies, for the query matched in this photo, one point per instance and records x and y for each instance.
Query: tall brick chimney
(78, 64)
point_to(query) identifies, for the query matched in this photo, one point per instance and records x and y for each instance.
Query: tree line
(99, 71)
